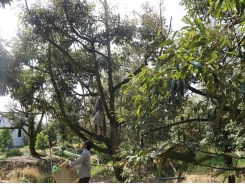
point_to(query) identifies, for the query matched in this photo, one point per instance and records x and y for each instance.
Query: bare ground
(14, 169)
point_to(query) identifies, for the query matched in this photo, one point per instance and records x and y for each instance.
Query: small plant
(42, 141)
(6, 139)
(32, 174)
(2, 174)
(13, 152)
(104, 158)
(101, 171)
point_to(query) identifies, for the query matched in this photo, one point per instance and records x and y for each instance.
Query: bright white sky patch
(5, 103)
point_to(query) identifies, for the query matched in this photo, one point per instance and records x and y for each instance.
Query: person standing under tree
(99, 112)
(85, 163)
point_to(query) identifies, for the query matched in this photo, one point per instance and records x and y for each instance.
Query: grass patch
(30, 175)
(13, 152)
(101, 171)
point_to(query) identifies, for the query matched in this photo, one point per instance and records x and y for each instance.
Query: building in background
(18, 135)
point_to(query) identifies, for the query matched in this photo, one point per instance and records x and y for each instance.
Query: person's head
(87, 145)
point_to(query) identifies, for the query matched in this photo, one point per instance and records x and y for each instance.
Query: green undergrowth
(213, 164)
(10, 153)
(102, 171)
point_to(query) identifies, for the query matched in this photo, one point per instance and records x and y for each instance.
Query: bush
(13, 152)
(6, 139)
(42, 141)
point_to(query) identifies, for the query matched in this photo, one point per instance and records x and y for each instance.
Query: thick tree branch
(26, 113)
(12, 128)
(174, 124)
(9, 127)
(25, 132)
(125, 81)
(79, 36)
(97, 74)
(83, 95)
(65, 118)
(73, 29)
(91, 50)
(39, 124)
(68, 55)
(196, 91)
(106, 140)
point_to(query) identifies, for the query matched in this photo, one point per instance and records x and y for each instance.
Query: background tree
(4, 62)
(3, 3)
(76, 49)
(6, 139)
(206, 59)
(41, 141)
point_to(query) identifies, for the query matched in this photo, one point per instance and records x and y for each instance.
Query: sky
(9, 19)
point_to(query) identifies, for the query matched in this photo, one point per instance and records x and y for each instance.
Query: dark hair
(89, 144)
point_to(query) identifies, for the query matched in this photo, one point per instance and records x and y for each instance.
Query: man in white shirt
(85, 164)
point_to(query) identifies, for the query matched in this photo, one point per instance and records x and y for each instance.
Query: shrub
(13, 152)
(42, 141)
(6, 139)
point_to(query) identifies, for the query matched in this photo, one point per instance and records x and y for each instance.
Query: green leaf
(67, 44)
(179, 66)
(158, 35)
(165, 43)
(161, 164)
(199, 25)
(196, 44)
(241, 133)
(170, 85)
(189, 20)
(181, 170)
(224, 99)
(216, 80)
(198, 65)
(179, 156)
(242, 90)
(233, 155)
(214, 55)
(218, 8)
(165, 60)
(219, 172)
(240, 115)
(223, 40)
(153, 90)
(182, 87)
(174, 34)
(212, 3)
(159, 149)
(138, 111)
(184, 71)
(205, 159)
(175, 149)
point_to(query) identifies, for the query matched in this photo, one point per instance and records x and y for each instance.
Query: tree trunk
(118, 173)
(231, 179)
(228, 160)
(114, 146)
(32, 137)
(32, 146)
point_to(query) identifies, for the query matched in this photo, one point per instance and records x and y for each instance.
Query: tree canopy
(184, 88)
(196, 92)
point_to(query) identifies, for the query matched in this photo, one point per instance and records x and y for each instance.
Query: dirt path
(5, 181)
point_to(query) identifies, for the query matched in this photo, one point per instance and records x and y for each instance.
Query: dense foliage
(72, 44)
(41, 141)
(166, 95)
(6, 139)
(195, 95)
